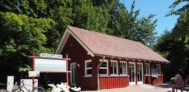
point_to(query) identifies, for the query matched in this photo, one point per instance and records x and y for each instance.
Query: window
(123, 68)
(88, 68)
(147, 69)
(103, 67)
(114, 67)
(156, 70)
(158, 66)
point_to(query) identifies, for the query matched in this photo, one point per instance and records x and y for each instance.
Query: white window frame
(106, 68)
(158, 66)
(88, 68)
(114, 61)
(148, 68)
(122, 63)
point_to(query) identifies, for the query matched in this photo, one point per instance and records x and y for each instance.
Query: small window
(103, 71)
(123, 68)
(158, 66)
(156, 69)
(146, 69)
(88, 68)
(114, 67)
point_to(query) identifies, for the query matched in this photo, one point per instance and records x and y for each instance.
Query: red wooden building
(100, 61)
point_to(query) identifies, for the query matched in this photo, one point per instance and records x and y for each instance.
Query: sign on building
(50, 65)
(51, 55)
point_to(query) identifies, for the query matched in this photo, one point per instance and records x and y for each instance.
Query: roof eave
(132, 59)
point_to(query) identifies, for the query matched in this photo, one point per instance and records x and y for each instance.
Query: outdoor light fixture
(78, 65)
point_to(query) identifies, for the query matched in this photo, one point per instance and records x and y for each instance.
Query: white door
(132, 77)
(73, 73)
(139, 73)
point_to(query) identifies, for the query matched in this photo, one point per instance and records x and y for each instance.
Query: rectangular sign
(33, 73)
(10, 83)
(50, 55)
(50, 65)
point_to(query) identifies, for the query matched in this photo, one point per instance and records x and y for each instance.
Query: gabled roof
(101, 44)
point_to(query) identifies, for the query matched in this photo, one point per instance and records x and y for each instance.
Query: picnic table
(185, 88)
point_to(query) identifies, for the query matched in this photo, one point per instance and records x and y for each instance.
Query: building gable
(64, 39)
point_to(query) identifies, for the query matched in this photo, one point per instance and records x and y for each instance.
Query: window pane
(89, 71)
(121, 70)
(103, 71)
(158, 68)
(89, 64)
(104, 64)
(124, 69)
(145, 68)
(115, 70)
(111, 69)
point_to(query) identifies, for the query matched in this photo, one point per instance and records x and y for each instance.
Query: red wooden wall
(113, 82)
(78, 55)
(147, 79)
(158, 80)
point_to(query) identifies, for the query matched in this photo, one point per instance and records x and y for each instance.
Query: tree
(181, 29)
(176, 52)
(127, 25)
(174, 45)
(146, 30)
(90, 17)
(19, 35)
(181, 10)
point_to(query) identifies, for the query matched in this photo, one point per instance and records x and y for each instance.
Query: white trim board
(64, 40)
(60, 46)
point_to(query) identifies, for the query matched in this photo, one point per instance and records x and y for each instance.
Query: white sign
(51, 55)
(26, 85)
(33, 73)
(10, 83)
(50, 65)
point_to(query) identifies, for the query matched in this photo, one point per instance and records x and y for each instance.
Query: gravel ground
(137, 88)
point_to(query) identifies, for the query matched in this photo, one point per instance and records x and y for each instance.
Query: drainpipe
(98, 66)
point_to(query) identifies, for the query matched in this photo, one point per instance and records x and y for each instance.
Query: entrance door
(73, 73)
(139, 73)
(132, 78)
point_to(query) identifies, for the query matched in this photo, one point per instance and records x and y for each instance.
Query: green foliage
(90, 17)
(127, 25)
(22, 33)
(175, 52)
(174, 45)
(19, 35)
(25, 68)
(181, 10)
(181, 30)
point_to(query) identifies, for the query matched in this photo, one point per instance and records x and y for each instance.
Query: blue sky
(158, 7)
